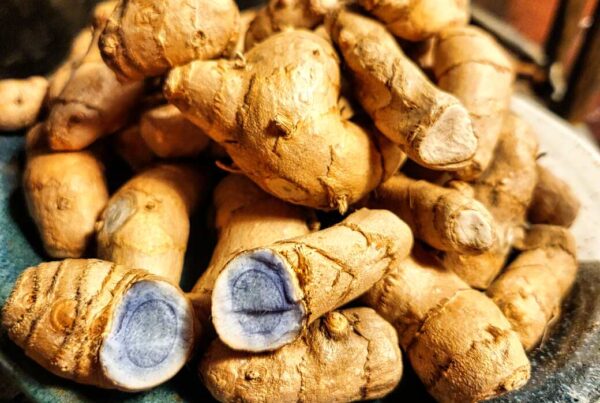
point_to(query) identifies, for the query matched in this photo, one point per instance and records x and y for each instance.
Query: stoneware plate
(566, 368)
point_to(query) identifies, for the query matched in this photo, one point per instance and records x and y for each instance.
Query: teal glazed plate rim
(566, 367)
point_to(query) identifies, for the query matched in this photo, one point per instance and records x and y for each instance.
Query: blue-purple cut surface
(565, 369)
(150, 338)
(254, 303)
(33, 39)
(20, 248)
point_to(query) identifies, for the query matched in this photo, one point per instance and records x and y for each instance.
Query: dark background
(35, 34)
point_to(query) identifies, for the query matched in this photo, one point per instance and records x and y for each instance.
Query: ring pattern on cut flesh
(257, 302)
(151, 337)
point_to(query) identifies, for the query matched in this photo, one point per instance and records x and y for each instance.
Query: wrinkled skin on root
(458, 342)
(506, 189)
(264, 298)
(246, 218)
(21, 102)
(432, 127)
(278, 15)
(481, 269)
(146, 223)
(531, 289)
(65, 194)
(420, 19)
(412, 288)
(101, 324)
(471, 65)
(92, 104)
(347, 355)
(445, 218)
(485, 358)
(170, 135)
(146, 38)
(553, 201)
(276, 113)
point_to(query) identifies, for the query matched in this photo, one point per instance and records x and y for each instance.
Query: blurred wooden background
(558, 42)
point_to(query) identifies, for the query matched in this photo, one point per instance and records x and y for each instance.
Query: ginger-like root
(472, 66)
(506, 189)
(420, 19)
(246, 218)
(65, 194)
(23, 99)
(458, 342)
(169, 134)
(264, 298)
(61, 76)
(532, 288)
(132, 148)
(79, 48)
(444, 218)
(145, 39)
(101, 324)
(404, 301)
(279, 15)
(146, 223)
(347, 355)
(432, 127)
(487, 349)
(480, 270)
(276, 113)
(553, 201)
(92, 104)
(21, 102)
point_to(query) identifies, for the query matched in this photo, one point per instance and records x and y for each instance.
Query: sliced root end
(255, 304)
(151, 337)
(450, 139)
(473, 231)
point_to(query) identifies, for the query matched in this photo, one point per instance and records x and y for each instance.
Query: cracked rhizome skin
(313, 104)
